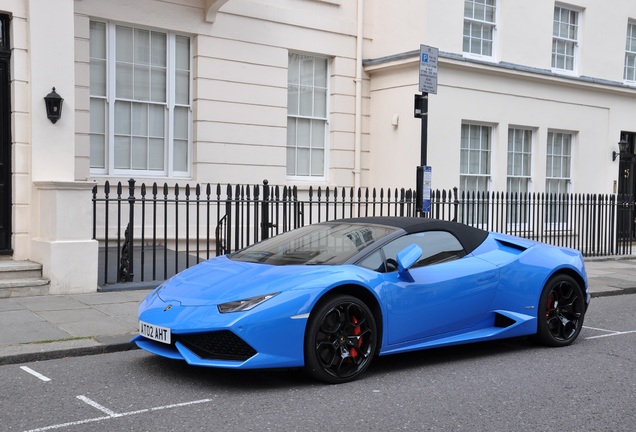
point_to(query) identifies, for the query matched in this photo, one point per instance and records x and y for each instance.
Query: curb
(71, 352)
(102, 345)
(614, 292)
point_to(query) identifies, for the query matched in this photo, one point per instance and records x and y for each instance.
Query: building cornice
(411, 58)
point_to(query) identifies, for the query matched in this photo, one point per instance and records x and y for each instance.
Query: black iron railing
(149, 233)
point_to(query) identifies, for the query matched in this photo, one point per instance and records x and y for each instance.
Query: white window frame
(170, 104)
(526, 152)
(629, 70)
(471, 20)
(517, 221)
(313, 179)
(567, 41)
(479, 215)
(565, 180)
(484, 173)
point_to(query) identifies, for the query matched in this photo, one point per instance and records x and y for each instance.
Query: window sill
(480, 58)
(332, 2)
(306, 182)
(565, 73)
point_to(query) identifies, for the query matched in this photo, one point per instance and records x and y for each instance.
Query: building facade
(530, 98)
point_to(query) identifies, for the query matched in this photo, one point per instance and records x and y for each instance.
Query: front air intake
(218, 345)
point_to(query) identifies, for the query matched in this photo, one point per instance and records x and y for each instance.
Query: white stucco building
(530, 97)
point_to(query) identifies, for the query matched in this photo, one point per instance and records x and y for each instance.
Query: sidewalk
(47, 327)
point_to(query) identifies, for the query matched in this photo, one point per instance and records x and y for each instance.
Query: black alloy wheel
(561, 311)
(340, 340)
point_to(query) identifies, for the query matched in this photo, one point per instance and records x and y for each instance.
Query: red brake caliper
(356, 332)
(547, 312)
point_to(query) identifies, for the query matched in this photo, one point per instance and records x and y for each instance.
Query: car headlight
(245, 304)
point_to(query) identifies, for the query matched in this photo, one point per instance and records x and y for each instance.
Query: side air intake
(503, 321)
(515, 246)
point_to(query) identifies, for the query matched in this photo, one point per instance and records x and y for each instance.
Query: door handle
(485, 278)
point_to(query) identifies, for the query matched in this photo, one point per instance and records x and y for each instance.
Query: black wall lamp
(622, 149)
(53, 102)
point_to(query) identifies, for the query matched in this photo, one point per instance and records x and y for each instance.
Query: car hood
(221, 280)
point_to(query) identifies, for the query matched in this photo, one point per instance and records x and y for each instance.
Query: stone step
(24, 287)
(22, 279)
(19, 269)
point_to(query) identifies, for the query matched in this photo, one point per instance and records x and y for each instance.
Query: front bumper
(271, 335)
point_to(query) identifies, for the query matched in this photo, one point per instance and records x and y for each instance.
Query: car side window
(437, 247)
(374, 262)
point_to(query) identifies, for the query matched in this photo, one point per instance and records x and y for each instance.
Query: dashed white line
(112, 414)
(34, 373)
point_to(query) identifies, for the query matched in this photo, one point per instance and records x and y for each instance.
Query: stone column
(60, 216)
(63, 244)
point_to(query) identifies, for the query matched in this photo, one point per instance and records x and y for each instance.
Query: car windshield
(332, 243)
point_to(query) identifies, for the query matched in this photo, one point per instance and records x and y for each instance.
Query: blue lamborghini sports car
(329, 297)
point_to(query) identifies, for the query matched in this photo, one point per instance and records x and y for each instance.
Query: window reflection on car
(314, 244)
(437, 247)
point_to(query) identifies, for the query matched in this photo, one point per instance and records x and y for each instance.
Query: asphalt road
(503, 386)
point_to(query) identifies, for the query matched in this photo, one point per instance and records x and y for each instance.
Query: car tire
(561, 311)
(340, 340)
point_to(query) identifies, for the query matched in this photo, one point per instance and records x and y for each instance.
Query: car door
(447, 291)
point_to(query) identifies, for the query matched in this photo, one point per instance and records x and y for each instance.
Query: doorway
(6, 200)
(626, 219)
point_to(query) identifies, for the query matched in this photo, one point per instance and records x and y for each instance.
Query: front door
(626, 216)
(442, 298)
(5, 139)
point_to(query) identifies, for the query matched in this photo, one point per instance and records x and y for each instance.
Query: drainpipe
(358, 98)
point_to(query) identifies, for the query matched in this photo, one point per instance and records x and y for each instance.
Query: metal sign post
(428, 69)
(423, 193)
(427, 84)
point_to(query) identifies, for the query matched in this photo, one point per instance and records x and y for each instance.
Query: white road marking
(63, 425)
(114, 415)
(98, 406)
(600, 329)
(611, 334)
(34, 373)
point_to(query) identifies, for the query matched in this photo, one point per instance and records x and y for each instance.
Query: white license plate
(156, 333)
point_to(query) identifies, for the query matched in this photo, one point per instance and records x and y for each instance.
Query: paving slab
(48, 303)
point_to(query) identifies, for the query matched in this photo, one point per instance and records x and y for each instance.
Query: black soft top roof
(468, 236)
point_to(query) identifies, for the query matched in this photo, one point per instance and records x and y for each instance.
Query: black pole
(126, 267)
(265, 224)
(131, 224)
(424, 136)
(421, 111)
